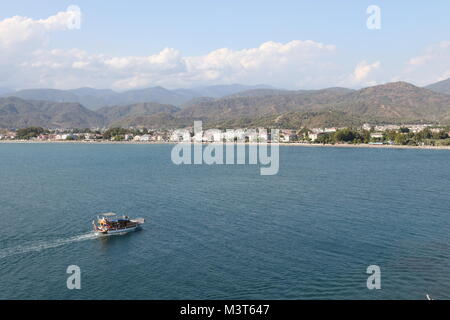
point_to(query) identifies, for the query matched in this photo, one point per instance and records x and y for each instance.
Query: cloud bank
(431, 66)
(29, 62)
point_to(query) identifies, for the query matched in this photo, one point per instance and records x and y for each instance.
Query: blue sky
(197, 28)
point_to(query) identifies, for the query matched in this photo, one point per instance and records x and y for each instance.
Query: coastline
(284, 144)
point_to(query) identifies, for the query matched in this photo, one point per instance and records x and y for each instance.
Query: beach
(284, 144)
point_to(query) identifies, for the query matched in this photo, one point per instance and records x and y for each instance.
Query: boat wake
(43, 245)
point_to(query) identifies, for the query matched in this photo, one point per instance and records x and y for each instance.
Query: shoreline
(284, 144)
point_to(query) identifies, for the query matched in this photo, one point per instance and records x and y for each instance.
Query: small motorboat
(110, 223)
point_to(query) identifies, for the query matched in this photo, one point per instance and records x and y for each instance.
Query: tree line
(403, 136)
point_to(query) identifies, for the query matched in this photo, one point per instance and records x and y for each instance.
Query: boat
(111, 223)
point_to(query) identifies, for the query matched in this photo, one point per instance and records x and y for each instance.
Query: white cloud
(280, 64)
(431, 66)
(363, 71)
(28, 61)
(25, 56)
(19, 30)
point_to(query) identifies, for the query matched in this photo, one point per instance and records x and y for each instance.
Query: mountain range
(19, 113)
(441, 86)
(96, 98)
(228, 107)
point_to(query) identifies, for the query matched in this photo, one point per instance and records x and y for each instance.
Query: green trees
(351, 135)
(114, 132)
(389, 135)
(325, 138)
(402, 136)
(404, 130)
(424, 137)
(118, 138)
(27, 133)
(440, 135)
(345, 135)
(303, 133)
(424, 134)
(400, 139)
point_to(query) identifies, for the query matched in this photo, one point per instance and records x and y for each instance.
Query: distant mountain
(254, 106)
(156, 94)
(390, 103)
(91, 98)
(397, 102)
(18, 113)
(53, 95)
(158, 120)
(219, 91)
(100, 93)
(441, 86)
(97, 98)
(278, 92)
(4, 90)
(115, 114)
(260, 93)
(196, 101)
(297, 119)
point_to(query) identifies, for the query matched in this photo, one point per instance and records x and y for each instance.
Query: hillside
(159, 120)
(156, 94)
(97, 98)
(117, 113)
(230, 108)
(53, 95)
(260, 93)
(397, 102)
(19, 113)
(441, 86)
(219, 91)
(294, 120)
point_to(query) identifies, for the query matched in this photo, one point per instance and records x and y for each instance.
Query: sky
(290, 44)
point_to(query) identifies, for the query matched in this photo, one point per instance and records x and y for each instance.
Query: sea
(224, 231)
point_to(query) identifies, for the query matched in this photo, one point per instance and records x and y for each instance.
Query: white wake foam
(43, 245)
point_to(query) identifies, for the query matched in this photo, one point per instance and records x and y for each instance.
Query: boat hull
(118, 231)
(116, 225)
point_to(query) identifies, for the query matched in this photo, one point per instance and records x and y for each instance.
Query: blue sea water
(224, 231)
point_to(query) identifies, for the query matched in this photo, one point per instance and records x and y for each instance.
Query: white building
(89, 136)
(313, 136)
(263, 135)
(179, 135)
(285, 138)
(198, 137)
(376, 135)
(64, 136)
